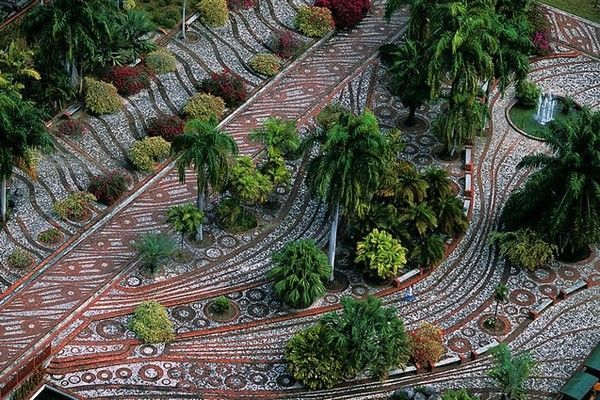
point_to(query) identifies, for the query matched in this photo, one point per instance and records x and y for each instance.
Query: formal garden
(293, 199)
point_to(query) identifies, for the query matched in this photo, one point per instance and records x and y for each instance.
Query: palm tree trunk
(333, 239)
(183, 20)
(200, 204)
(496, 312)
(3, 200)
(411, 115)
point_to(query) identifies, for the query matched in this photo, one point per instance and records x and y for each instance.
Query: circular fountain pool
(533, 121)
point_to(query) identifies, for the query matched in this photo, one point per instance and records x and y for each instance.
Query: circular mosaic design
(569, 273)
(258, 310)
(123, 373)
(201, 323)
(150, 372)
(104, 375)
(549, 290)
(134, 281)
(183, 313)
(285, 380)
(228, 241)
(459, 345)
(469, 332)
(256, 294)
(502, 325)
(214, 252)
(148, 350)
(543, 275)
(258, 379)
(110, 329)
(235, 382)
(175, 373)
(197, 371)
(522, 297)
(360, 290)
(88, 377)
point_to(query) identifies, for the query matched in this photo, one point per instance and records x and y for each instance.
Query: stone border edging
(512, 104)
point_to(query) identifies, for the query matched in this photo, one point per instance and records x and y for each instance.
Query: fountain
(545, 108)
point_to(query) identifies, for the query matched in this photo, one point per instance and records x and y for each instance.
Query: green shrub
(524, 248)
(151, 323)
(568, 104)
(330, 115)
(20, 259)
(128, 5)
(381, 254)
(30, 161)
(50, 236)
(278, 133)
(145, 153)
(314, 21)
(456, 394)
(247, 183)
(108, 187)
(428, 251)
(299, 270)
(204, 106)
(220, 305)
(153, 249)
(74, 206)
(214, 13)
(185, 218)
(101, 97)
(161, 61)
(233, 217)
(527, 93)
(275, 169)
(265, 64)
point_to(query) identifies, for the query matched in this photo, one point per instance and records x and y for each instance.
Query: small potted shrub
(527, 93)
(108, 187)
(129, 80)
(226, 86)
(265, 64)
(215, 13)
(20, 259)
(221, 305)
(167, 127)
(314, 21)
(75, 206)
(154, 249)
(204, 106)
(161, 61)
(151, 323)
(50, 236)
(71, 127)
(221, 309)
(145, 153)
(101, 97)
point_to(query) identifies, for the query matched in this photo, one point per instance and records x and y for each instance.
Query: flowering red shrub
(129, 80)
(108, 187)
(541, 43)
(286, 44)
(165, 126)
(238, 4)
(226, 86)
(71, 127)
(346, 13)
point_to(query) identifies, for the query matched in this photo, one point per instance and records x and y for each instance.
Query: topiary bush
(108, 187)
(204, 106)
(346, 13)
(151, 323)
(50, 236)
(129, 80)
(167, 127)
(226, 86)
(101, 97)
(314, 21)
(527, 93)
(74, 207)
(161, 61)
(299, 270)
(145, 153)
(381, 254)
(233, 217)
(128, 5)
(20, 259)
(286, 44)
(265, 64)
(72, 127)
(215, 13)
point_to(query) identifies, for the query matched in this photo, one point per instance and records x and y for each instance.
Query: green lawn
(583, 8)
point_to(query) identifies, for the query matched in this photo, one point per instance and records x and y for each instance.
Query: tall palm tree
(21, 129)
(500, 296)
(451, 217)
(420, 216)
(348, 169)
(207, 149)
(561, 199)
(185, 218)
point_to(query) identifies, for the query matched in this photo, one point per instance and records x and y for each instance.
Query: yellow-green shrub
(73, 207)
(151, 323)
(203, 106)
(101, 97)
(214, 13)
(314, 21)
(145, 153)
(266, 64)
(161, 61)
(128, 5)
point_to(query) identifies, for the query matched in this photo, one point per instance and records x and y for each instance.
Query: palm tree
(21, 129)
(510, 373)
(411, 187)
(279, 134)
(185, 218)
(500, 296)
(420, 16)
(439, 185)
(208, 150)
(428, 251)
(420, 216)
(561, 199)
(348, 169)
(451, 217)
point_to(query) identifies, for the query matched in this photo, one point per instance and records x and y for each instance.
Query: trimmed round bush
(128, 5)
(266, 64)
(161, 61)
(74, 206)
(109, 187)
(381, 254)
(50, 236)
(427, 344)
(346, 13)
(204, 106)
(314, 21)
(101, 97)
(527, 93)
(167, 127)
(20, 259)
(72, 127)
(227, 86)
(151, 323)
(129, 80)
(287, 44)
(214, 13)
(145, 153)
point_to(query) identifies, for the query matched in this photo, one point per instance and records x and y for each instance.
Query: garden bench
(537, 310)
(403, 278)
(192, 19)
(399, 371)
(466, 205)
(468, 158)
(571, 289)
(468, 184)
(136, 62)
(478, 352)
(69, 112)
(448, 361)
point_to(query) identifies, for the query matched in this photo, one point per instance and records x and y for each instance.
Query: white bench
(536, 311)
(468, 158)
(448, 361)
(403, 278)
(484, 349)
(466, 205)
(571, 289)
(468, 184)
(69, 112)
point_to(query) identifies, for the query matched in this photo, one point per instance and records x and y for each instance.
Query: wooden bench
(468, 184)
(468, 158)
(403, 278)
(448, 361)
(69, 112)
(537, 310)
(475, 354)
(192, 19)
(571, 289)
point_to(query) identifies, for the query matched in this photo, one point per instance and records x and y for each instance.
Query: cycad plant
(451, 217)
(299, 270)
(428, 251)
(279, 134)
(185, 218)
(154, 249)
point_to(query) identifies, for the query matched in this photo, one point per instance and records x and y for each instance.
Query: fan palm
(439, 185)
(420, 216)
(561, 199)
(207, 149)
(500, 296)
(348, 169)
(411, 187)
(451, 217)
(279, 134)
(185, 218)
(428, 251)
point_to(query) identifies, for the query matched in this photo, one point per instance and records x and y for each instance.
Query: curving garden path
(81, 301)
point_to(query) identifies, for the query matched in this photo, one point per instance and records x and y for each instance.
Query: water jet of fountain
(545, 108)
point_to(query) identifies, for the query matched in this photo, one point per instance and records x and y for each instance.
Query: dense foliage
(227, 86)
(74, 206)
(101, 97)
(527, 93)
(509, 372)
(161, 61)
(265, 64)
(145, 153)
(107, 188)
(234, 217)
(279, 134)
(202, 106)
(166, 126)
(314, 21)
(185, 218)
(129, 80)
(151, 323)
(524, 248)
(153, 249)
(287, 44)
(214, 13)
(427, 344)
(72, 127)
(247, 183)
(20, 259)
(381, 254)
(346, 13)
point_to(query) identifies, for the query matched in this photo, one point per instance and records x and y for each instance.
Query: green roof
(593, 360)
(579, 385)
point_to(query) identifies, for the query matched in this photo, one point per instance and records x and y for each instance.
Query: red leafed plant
(541, 43)
(346, 13)
(108, 187)
(129, 80)
(427, 344)
(226, 86)
(71, 127)
(240, 4)
(286, 44)
(165, 126)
